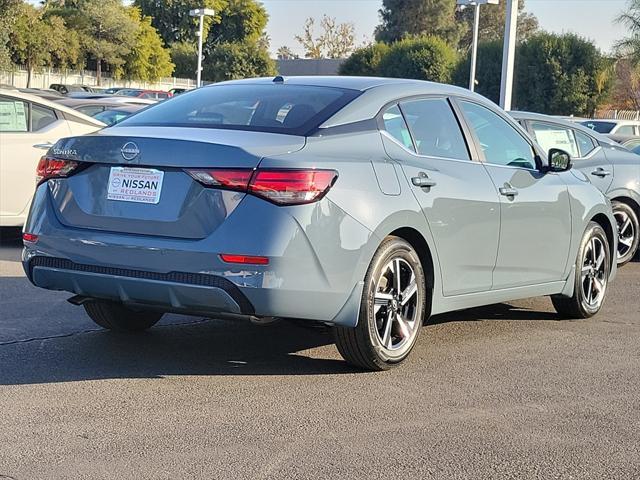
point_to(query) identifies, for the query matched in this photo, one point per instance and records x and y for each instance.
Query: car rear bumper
(315, 270)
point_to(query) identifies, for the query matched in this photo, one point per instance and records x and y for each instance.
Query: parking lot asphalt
(505, 391)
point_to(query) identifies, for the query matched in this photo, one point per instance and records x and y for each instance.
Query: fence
(18, 78)
(618, 114)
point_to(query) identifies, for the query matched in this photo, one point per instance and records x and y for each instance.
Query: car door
(535, 227)
(586, 154)
(22, 125)
(455, 192)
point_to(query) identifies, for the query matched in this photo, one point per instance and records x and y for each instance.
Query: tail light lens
(29, 237)
(244, 259)
(227, 179)
(282, 187)
(49, 167)
(292, 187)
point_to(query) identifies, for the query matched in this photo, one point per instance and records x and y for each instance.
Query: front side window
(500, 142)
(435, 129)
(395, 126)
(13, 115)
(277, 108)
(41, 117)
(549, 135)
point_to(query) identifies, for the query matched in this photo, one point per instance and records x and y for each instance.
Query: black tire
(578, 305)
(632, 232)
(363, 346)
(117, 317)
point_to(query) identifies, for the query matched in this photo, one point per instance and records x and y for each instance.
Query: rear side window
(395, 126)
(434, 128)
(549, 135)
(586, 145)
(626, 130)
(41, 117)
(13, 115)
(289, 109)
(91, 110)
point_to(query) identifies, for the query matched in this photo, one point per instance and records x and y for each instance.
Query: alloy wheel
(626, 232)
(396, 301)
(594, 273)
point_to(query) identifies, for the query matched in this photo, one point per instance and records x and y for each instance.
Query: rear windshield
(277, 108)
(600, 127)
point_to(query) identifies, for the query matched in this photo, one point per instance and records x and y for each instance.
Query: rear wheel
(593, 266)
(117, 317)
(628, 231)
(392, 309)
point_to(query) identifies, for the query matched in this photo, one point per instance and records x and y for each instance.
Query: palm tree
(630, 47)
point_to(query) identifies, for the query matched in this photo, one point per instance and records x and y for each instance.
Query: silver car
(367, 204)
(610, 167)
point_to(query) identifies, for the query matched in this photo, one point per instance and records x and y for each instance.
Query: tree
(337, 40)
(409, 18)
(66, 49)
(285, 53)
(630, 47)
(423, 58)
(148, 59)
(560, 74)
(241, 21)
(229, 61)
(9, 9)
(365, 61)
(171, 17)
(492, 21)
(106, 30)
(626, 88)
(30, 39)
(488, 70)
(184, 57)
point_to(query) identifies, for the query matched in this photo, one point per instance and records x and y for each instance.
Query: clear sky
(593, 19)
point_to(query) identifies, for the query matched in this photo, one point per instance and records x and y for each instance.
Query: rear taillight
(292, 187)
(29, 237)
(282, 187)
(49, 167)
(227, 179)
(245, 259)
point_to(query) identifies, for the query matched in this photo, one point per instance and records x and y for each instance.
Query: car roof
(53, 105)
(615, 121)
(77, 102)
(560, 121)
(352, 83)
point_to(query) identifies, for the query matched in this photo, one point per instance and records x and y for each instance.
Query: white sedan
(29, 125)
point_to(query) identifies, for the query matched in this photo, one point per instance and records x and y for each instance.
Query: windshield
(277, 108)
(600, 127)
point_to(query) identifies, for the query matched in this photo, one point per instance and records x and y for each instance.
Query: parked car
(148, 94)
(29, 125)
(112, 98)
(65, 89)
(628, 141)
(116, 114)
(611, 168)
(372, 204)
(113, 90)
(178, 91)
(92, 107)
(46, 93)
(618, 127)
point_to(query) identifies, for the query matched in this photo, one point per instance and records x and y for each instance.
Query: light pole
(508, 54)
(200, 12)
(476, 26)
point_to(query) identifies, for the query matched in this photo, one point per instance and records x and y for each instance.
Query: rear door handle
(508, 191)
(423, 181)
(43, 146)
(601, 172)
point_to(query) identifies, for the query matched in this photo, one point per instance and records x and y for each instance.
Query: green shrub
(365, 61)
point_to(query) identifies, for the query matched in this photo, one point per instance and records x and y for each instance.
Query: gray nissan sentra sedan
(364, 203)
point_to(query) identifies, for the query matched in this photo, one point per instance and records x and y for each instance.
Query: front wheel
(392, 309)
(593, 265)
(628, 231)
(117, 317)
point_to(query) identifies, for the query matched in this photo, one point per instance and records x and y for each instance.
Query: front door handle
(423, 181)
(508, 191)
(43, 146)
(601, 172)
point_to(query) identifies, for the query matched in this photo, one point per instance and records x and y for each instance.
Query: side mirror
(559, 160)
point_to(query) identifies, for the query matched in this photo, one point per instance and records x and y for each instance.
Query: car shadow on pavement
(498, 311)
